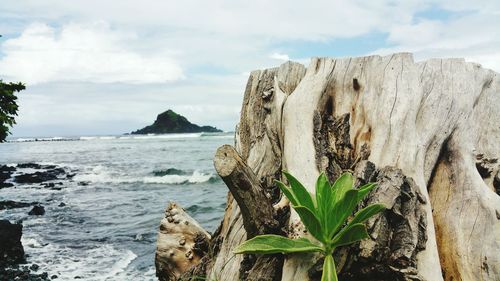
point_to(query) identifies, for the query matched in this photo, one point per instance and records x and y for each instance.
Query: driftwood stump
(427, 132)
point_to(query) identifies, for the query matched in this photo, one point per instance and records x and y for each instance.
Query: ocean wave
(167, 136)
(196, 177)
(120, 265)
(42, 139)
(225, 135)
(70, 263)
(169, 171)
(98, 137)
(190, 178)
(30, 242)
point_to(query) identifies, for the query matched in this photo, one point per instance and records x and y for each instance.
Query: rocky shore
(13, 260)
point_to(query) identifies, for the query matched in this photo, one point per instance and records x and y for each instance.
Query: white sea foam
(136, 137)
(30, 242)
(42, 139)
(100, 175)
(102, 263)
(196, 177)
(120, 265)
(225, 135)
(23, 139)
(167, 136)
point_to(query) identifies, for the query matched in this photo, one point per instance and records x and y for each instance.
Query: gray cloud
(91, 52)
(134, 59)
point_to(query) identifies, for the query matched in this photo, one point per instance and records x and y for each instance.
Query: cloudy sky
(109, 67)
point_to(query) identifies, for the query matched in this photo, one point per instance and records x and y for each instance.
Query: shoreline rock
(44, 175)
(9, 204)
(11, 248)
(37, 210)
(5, 174)
(40, 176)
(12, 256)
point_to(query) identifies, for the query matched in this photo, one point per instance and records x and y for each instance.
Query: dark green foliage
(171, 122)
(324, 216)
(8, 106)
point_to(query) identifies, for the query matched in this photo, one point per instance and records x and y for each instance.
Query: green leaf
(350, 235)
(341, 211)
(273, 244)
(365, 189)
(343, 184)
(301, 194)
(287, 192)
(323, 197)
(367, 213)
(329, 271)
(311, 222)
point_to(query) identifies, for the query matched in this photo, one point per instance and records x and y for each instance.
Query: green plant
(325, 216)
(8, 106)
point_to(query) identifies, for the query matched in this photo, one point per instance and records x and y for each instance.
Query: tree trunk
(427, 132)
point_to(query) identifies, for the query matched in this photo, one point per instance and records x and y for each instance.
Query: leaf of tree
(351, 234)
(273, 244)
(301, 194)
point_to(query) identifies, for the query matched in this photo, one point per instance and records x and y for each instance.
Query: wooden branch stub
(256, 207)
(180, 244)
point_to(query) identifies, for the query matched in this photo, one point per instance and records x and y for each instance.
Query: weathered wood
(180, 243)
(429, 128)
(396, 236)
(255, 204)
(257, 211)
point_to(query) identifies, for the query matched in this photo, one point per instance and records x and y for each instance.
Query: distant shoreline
(117, 137)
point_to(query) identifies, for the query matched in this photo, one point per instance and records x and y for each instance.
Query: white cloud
(281, 19)
(278, 56)
(216, 41)
(89, 108)
(91, 52)
(474, 36)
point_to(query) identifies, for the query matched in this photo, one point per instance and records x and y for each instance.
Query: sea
(107, 226)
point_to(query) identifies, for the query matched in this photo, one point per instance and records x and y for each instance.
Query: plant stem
(329, 270)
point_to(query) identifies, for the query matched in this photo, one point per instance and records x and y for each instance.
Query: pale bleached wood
(436, 121)
(255, 204)
(178, 237)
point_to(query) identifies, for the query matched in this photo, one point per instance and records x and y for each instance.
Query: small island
(171, 122)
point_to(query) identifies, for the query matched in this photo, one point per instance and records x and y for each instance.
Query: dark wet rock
(53, 277)
(21, 273)
(37, 211)
(35, 166)
(6, 184)
(11, 249)
(34, 267)
(6, 168)
(5, 174)
(83, 183)
(62, 204)
(53, 185)
(169, 171)
(9, 204)
(40, 176)
(29, 166)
